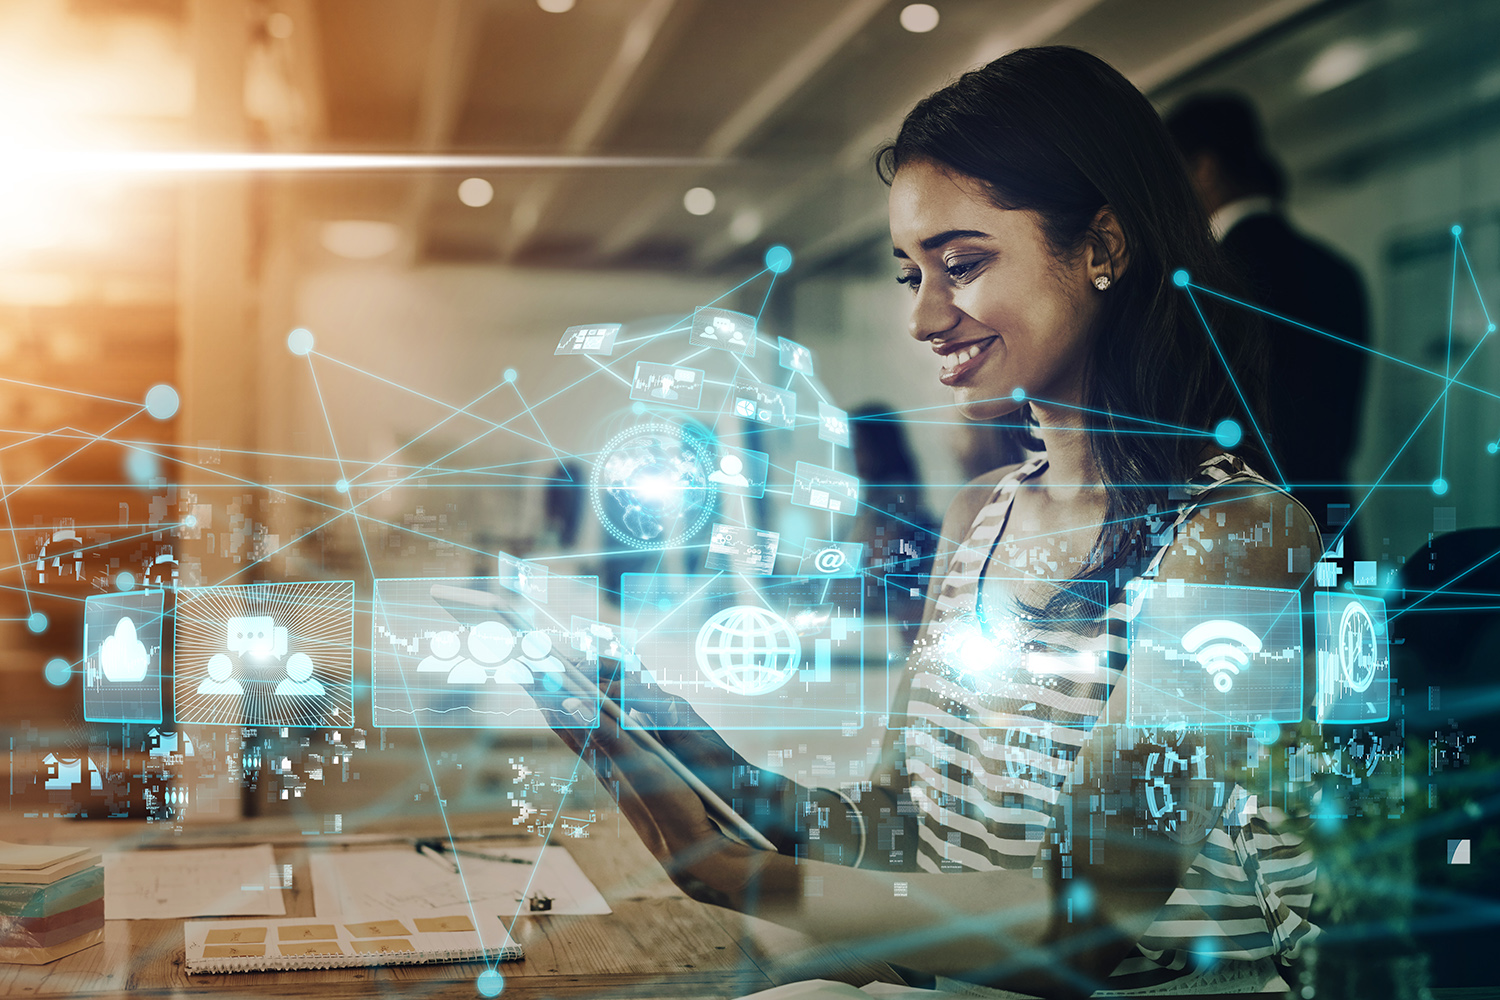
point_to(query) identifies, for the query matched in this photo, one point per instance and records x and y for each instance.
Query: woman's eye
(909, 278)
(958, 270)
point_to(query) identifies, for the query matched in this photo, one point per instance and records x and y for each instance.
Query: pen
(427, 852)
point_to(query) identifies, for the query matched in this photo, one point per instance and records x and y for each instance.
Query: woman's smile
(962, 359)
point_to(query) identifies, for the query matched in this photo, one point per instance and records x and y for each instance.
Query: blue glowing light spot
(37, 622)
(1018, 394)
(1492, 447)
(1440, 486)
(510, 376)
(57, 671)
(191, 521)
(300, 341)
(778, 259)
(1180, 278)
(1228, 433)
(162, 402)
(125, 580)
(342, 486)
(551, 683)
(1458, 230)
(1266, 733)
(490, 983)
(637, 408)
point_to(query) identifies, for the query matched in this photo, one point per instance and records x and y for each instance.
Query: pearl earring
(1101, 282)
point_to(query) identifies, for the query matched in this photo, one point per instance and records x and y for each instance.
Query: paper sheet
(160, 885)
(355, 885)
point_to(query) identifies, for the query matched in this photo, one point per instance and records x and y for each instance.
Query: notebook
(215, 946)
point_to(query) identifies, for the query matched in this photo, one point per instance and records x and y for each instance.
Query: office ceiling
(792, 96)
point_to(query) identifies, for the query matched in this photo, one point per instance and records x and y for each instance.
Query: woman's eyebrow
(946, 236)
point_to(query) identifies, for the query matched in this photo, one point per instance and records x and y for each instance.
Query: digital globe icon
(748, 650)
(651, 488)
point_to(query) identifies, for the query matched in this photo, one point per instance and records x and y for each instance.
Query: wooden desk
(656, 943)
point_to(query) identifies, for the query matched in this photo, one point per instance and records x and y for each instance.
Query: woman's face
(989, 296)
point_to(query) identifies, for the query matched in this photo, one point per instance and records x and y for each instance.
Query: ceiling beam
(450, 59)
(752, 115)
(594, 122)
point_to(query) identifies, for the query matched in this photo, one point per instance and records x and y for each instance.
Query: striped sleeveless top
(988, 759)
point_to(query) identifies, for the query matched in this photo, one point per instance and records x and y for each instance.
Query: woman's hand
(671, 819)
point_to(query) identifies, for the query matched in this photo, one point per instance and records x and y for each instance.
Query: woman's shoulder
(972, 498)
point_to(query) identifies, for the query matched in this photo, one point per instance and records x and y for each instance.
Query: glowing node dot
(1440, 486)
(637, 408)
(191, 521)
(1180, 278)
(37, 622)
(1490, 328)
(476, 192)
(161, 402)
(1227, 433)
(300, 341)
(1266, 733)
(779, 259)
(490, 981)
(919, 18)
(510, 374)
(1458, 230)
(125, 580)
(699, 201)
(1492, 447)
(342, 486)
(57, 671)
(1018, 394)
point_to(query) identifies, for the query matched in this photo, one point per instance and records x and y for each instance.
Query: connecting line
(333, 442)
(73, 392)
(1399, 451)
(438, 795)
(604, 367)
(1448, 360)
(1252, 307)
(1249, 410)
(1438, 590)
(93, 439)
(545, 440)
(1477, 293)
(16, 541)
(767, 298)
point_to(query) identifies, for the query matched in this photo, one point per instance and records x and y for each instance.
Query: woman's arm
(1031, 929)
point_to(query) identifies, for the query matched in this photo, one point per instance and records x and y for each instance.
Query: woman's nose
(932, 313)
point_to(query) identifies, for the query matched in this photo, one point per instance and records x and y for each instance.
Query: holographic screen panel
(1354, 658)
(266, 654)
(122, 649)
(773, 652)
(452, 652)
(1212, 655)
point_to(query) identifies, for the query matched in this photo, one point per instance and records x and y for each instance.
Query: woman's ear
(1108, 253)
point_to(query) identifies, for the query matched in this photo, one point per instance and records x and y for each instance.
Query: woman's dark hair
(1059, 132)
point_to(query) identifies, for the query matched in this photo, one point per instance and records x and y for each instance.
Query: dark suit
(1317, 385)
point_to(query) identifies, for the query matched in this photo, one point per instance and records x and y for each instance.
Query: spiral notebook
(320, 943)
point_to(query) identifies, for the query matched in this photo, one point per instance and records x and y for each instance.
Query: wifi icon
(1222, 648)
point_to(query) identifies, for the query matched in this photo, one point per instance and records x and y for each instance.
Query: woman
(1015, 834)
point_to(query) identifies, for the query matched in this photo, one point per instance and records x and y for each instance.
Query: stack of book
(51, 902)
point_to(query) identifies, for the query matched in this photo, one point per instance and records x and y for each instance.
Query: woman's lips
(959, 365)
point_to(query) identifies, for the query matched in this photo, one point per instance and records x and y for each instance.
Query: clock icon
(1358, 648)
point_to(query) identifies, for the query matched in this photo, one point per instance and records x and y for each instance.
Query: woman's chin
(980, 406)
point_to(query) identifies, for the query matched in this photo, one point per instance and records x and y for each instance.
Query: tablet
(471, 606)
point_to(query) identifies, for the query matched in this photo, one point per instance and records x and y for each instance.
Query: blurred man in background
(1317, 385)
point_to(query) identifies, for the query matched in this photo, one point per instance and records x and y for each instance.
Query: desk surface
(656, 943)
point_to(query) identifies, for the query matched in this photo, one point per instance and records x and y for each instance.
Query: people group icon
(730, 472)
(728, 329)
(490, 646)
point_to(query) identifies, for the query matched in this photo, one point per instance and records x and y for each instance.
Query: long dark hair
(1059, 132)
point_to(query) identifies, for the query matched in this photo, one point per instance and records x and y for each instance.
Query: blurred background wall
(1386, 113)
